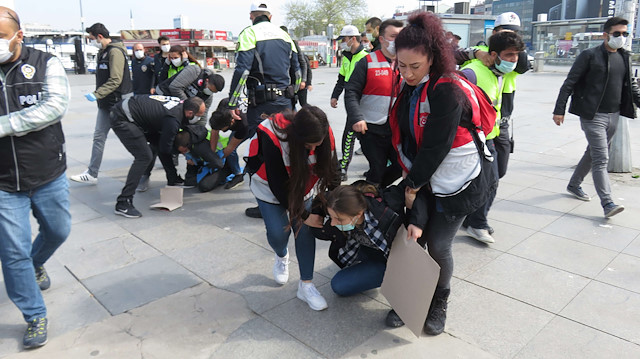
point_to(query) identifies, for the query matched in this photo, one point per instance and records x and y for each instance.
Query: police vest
(376, 95)
(194, 89)
(174, 70)
(259, 182)
(462, 163)
(103, 68)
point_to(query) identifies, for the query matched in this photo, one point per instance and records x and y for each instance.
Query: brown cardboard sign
(410, 281)
(170, 199)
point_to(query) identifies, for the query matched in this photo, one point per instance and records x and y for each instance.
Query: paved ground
(560, 281)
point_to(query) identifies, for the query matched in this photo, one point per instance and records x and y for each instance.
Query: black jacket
(587, 81)
(201, 147)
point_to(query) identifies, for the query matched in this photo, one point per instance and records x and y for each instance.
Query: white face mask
(194, 120)
(165, 48)
(177, 62)
(616, 42)
(96, 44)
(5, 53)
(391, 48)
(344, 46)
(207, 91)
(139, 54)
(370, 37)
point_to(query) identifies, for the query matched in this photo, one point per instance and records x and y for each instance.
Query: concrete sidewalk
(560, 281)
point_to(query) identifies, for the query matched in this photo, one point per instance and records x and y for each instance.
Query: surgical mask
(505, 66)
(344, 46)
(139, 54)
(391, 48)
(194, 120)
(5, 53)
(95, 43)
(616, 42)
(370, 37)
(347, 227)
(176, 62)
(207, 91)
(165, 48)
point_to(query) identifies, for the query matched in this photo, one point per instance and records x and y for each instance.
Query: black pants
(503, 149)
(378, 150)
(302, 97)
(348, 141)
(478, 219)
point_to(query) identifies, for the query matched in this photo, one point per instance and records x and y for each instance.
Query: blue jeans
(50, 205)
(362, 276)
(276, 220)
(233, 161)
(599, 132)
(103, 125)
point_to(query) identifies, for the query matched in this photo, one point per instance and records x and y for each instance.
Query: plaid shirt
(49, 110)
(348, 254)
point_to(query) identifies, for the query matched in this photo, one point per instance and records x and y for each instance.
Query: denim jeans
(50, 205)
(233, 161)
(103, 125)
(276, 220)
(599, 132)
(365, 275)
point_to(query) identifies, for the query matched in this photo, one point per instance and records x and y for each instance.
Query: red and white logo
(423, 120)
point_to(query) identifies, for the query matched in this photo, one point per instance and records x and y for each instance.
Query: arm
(244, 61)
(233, 144)
(523, 63)
(295, 66)
(309, 72)
(470, 75)
(213, 142)
(203, 150)
(303, 64)
(353, 93)
(578, 70)
(464, 55)
(183, 79)
(49, 110)
(276, 171)
(168, 133)
(438, 133)
(117, 62)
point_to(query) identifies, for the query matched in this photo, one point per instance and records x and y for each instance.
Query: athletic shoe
(179, 182)
(143, 184)
(36, 334)
(480, 234)
(490, 230)
(308, 293)
(42, 278)
(84, 177)
(253, 212)
(437, 315)
(126, 209)
(236, 181)
(343, 175)
(578, 193)
(281, 269)
(393, 319)
(611, 209)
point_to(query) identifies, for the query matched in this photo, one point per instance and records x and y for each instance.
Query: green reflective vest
(346, 69)
(493, 86)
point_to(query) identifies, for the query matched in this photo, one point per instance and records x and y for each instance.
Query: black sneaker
(36, 334)
(179, 182)
(343, 175)
(126, 209)
(490, 229)
(253, 212)
(437, 316)
(611, 209)
(236, 181)
(42, 278)
(393, 319)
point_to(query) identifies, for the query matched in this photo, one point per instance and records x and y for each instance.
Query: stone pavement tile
(623, 272)
(612, 310)
(180, 233)
(544, 199)
(522, 179)
(137, 284)
(190, 324)
(507, 235)
(258, 338)
(552, 159)
(540, 169)
(600, 232)
(564, 254)
(491, 321)
(81, 212)
(469, 255)
(556, 185)
(105, 256)
(563, 339)
(523, 215)
(347, 323)
(68, 309)
(91, 232)
(633, 248)
(526, 281)
(507, 189)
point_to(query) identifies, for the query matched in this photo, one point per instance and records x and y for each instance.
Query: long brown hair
(349, 199)
(180, 49)
(309, 125)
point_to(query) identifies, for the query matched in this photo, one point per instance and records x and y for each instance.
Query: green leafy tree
(304, 16)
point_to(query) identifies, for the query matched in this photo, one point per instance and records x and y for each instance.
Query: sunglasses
(618, 33)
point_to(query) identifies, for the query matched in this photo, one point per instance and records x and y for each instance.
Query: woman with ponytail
(290, 158)
(431, 123)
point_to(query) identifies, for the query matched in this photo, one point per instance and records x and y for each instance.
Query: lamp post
(48, 43)
(330, 29)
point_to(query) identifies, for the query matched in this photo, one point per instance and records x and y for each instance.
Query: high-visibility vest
(376, 95)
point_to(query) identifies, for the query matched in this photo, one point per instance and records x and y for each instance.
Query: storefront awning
(153, 42)
(229, 45)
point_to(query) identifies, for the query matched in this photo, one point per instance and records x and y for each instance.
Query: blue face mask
(347, 227)
(505, 66)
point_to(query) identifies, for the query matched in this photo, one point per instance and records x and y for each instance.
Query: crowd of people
(432, 119)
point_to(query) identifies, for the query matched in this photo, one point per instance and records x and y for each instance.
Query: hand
(413, 232)
(309, 88)
(409, 197)
(484, 57)
(303, 85)
(360, 127)
(314, 221)
(334, 102)
(152, 91)
(190, 162)
(91, 97)
(235, 114)
(558, 119)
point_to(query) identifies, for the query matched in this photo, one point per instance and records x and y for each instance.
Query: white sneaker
(307, 292)
(84, 177)
(480, 234)
(281, 269)
(143, 184)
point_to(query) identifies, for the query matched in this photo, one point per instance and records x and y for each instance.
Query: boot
(437, 312)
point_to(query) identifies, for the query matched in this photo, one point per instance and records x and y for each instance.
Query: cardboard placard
(170, 198)
(410, 281)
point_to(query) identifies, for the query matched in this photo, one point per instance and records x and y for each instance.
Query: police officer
(160, 58)
(141, 71)
(35, 96)
(264, 58)
(113, 83)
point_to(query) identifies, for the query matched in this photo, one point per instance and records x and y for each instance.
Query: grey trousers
(599, 132)
(103, 125)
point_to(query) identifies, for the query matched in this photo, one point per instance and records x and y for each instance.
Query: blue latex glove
(91, 97)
